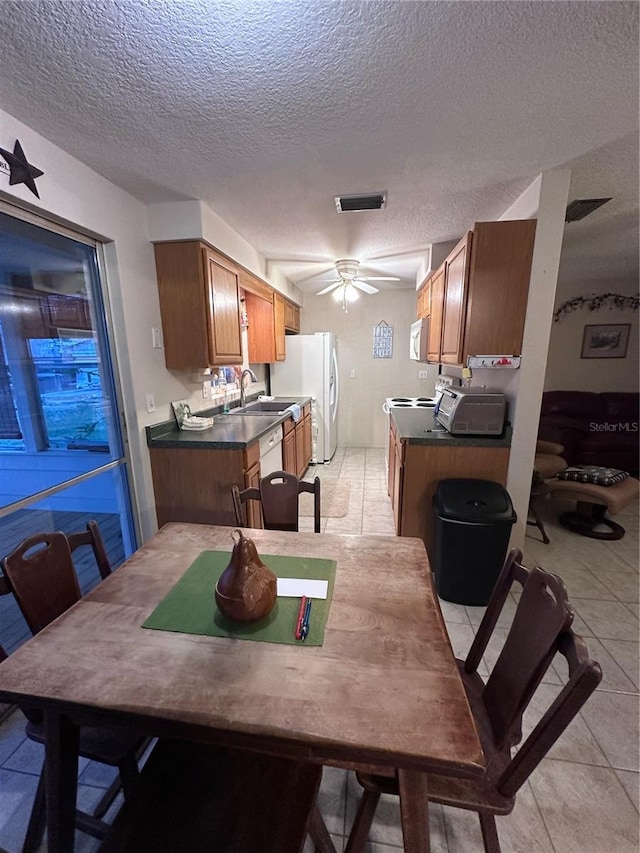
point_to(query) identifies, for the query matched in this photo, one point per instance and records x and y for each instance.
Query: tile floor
(583, 798)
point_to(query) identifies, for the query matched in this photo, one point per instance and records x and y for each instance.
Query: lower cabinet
(252, 480)
(306, 438)
(416, 469)
(289, 460)
(194, 485)
(296, 446)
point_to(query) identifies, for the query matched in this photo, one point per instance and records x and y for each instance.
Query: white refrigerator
(311, 369)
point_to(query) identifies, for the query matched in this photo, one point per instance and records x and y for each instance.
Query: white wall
(75, 195)
(71, 192)
(190, 220)
(566, 370)
(546, 199)
(361, 422)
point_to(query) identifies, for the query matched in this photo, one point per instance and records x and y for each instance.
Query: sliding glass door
(62, 450)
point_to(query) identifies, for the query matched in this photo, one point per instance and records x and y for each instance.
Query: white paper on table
(297, 587)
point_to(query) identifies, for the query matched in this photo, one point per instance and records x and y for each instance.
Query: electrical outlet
(352, 374)
(423, 374)
(151, 403)
(206, 390)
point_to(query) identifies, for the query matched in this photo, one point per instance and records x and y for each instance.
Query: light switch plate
(151, 403)
(156, 338)
(423, 374)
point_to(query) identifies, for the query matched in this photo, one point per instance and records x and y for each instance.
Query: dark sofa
(595, 429)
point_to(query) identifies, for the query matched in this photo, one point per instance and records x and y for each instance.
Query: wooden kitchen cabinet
(423, 300)
(194, 485)
(436, 293)
(306, 438)
(278, 318)
(455, 301)
(301, 465)
(199, 305)
(289, 459)
(296, 443)
(396, 472)
(261, 334)
(291, 317)
(252, 480)
(498, 288)
(485, 287)
(416, 469)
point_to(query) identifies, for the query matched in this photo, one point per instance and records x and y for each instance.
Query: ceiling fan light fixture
(346, 293)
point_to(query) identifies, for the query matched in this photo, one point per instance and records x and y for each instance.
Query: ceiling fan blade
(378, 278)
(332, 286)
(362, 285)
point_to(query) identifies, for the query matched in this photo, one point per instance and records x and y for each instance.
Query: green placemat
(190, 607)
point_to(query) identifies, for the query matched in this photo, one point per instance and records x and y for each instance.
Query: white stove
(404, 403)
(409, 403)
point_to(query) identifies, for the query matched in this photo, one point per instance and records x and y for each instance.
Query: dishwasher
(271, 451)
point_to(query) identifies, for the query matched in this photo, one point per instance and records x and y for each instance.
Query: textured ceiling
(267, 110)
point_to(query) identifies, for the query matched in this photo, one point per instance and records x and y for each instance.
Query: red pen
(300, 620)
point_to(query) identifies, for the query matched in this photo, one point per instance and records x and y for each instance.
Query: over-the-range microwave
(419, 340)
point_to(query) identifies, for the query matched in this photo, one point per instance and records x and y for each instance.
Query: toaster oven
(472, 411)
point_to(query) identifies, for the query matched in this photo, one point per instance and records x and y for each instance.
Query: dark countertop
(229, 432)
(419, 426)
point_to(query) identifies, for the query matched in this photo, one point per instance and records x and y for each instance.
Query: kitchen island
(422, 452)
(193, 471)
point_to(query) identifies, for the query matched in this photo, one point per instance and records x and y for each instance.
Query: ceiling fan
(348, 280)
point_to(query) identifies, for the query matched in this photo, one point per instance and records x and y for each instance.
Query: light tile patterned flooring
(583, 798)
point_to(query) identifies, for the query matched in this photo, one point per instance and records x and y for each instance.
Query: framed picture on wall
(606, 341)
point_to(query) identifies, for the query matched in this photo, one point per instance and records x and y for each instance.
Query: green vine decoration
(595, 303)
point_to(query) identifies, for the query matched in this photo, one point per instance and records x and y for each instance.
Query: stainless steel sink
(262, 408)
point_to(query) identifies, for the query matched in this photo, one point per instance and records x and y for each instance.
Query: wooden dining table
(383, 689)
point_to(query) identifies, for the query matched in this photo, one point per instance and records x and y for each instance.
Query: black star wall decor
(21, 171)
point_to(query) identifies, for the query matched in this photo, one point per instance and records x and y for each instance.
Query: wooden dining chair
(91, 536)
(40, 575)
(279, 496)
(200, 797)
(541, 629)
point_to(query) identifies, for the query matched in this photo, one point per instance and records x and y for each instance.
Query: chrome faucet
(247, 372)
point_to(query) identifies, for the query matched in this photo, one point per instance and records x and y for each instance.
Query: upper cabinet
(498, 287)
(291, 317)
(270, 315)
(423, 302)
(436, 309)
(478, 297)
(261, 334)
(455, 300)
(199, 304)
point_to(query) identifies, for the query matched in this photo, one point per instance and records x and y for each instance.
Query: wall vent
(582, 207)
(371, 201)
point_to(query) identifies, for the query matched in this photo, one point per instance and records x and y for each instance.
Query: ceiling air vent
(582, 207)
(372, 201)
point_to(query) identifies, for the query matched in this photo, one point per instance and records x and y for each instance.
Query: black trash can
(472, 522)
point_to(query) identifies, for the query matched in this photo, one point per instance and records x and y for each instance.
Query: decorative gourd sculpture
(247, 590)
